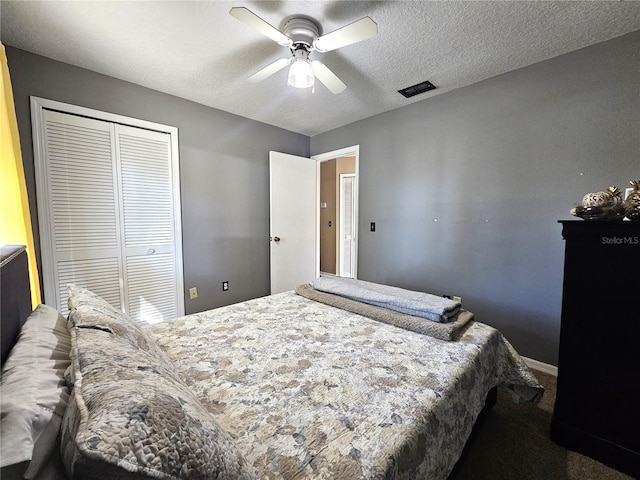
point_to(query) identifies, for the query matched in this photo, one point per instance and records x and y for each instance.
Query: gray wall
(466, 188)
(224, 171)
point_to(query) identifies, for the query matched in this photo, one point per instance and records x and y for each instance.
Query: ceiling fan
(301, 34)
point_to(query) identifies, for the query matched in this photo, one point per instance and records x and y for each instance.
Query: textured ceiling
(196, 50)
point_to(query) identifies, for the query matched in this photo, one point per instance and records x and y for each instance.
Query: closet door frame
(38, 105)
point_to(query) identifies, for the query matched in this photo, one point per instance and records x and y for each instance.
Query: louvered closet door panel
(148, 215)
(98, 275)
(146, 187)
(151, 279)
(81, 197)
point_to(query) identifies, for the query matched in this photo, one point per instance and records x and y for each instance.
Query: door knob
(276, 239)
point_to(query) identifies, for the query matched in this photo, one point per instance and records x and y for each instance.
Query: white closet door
(78, 203)
(148, 213)
(109, 209)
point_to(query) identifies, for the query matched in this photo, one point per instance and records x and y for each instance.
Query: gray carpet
(514, 444)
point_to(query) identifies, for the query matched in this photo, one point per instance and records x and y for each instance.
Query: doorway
(338, 187)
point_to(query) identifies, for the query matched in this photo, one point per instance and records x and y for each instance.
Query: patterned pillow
(95, 312)
(130, 416)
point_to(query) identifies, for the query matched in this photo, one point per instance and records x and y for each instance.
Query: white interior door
(347, 231)
(293, 220)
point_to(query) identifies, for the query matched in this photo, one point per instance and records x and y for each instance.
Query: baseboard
(541, 367)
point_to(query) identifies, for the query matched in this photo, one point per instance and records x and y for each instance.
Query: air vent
(417, 89)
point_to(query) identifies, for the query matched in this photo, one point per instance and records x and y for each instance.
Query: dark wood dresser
(597, 409)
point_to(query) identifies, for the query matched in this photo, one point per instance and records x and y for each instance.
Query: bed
(279, 387)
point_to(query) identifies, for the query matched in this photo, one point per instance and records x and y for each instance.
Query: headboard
(15, 295)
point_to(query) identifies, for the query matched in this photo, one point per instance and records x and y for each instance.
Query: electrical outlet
(193, 293)
(372, 227)
(225, 286)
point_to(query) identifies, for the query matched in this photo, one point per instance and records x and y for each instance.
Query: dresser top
(599, 228)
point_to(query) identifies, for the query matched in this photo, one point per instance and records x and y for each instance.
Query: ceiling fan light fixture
(300, 72)
(302, 34)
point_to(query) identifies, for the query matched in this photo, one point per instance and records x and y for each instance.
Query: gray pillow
(130, 415)
(34, 395)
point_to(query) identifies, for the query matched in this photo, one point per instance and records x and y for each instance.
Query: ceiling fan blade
(352, 33)
(269, 70)
(251, 19)
(327, 77)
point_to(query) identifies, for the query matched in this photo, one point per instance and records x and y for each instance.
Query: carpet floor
(514, 444)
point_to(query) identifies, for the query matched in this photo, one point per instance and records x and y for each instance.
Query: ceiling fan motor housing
(301, 31)
(300, 52)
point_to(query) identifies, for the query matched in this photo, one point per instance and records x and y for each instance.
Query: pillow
(130, 415)
(95, 312)
(33, 393)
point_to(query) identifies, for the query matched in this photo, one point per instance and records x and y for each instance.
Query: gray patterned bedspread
(310, 391)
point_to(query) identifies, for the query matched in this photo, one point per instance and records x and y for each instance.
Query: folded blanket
(419, 304)
(442, 331)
